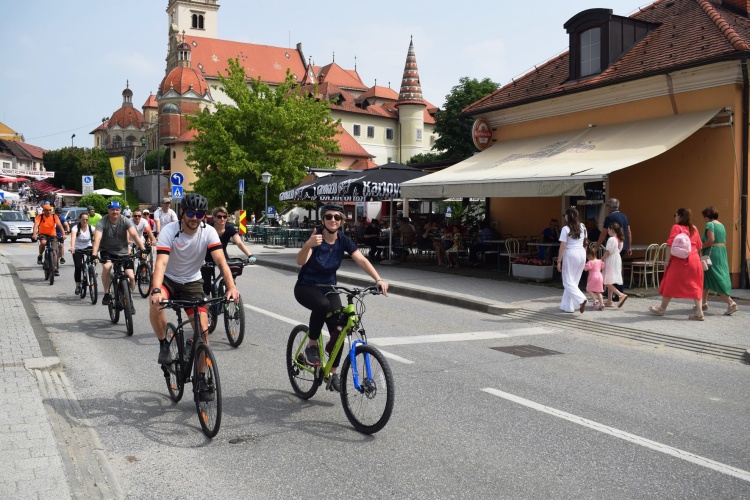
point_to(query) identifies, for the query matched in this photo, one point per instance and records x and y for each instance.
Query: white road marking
(325, 333)
(459, 337)
(675, 452)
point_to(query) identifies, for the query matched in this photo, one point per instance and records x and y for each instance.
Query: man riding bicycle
(180, 251)
(164, 215)
(143, 227)
(320, 258)
(111, 237)
(61, 234)
(46, 226)
(226, 233)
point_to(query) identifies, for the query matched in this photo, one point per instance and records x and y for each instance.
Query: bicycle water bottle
(188, 347)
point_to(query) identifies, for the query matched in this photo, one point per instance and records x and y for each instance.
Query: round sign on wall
(481, 134)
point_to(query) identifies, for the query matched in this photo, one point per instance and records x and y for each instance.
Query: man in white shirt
(164, 215)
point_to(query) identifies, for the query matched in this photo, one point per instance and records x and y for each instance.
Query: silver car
(14, 225)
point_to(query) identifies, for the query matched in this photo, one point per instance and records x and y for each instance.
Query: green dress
(717, 278)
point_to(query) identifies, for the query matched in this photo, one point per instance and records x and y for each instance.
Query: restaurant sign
(39, 174)
(481, 134)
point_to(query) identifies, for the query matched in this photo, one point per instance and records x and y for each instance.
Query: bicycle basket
(235, 265)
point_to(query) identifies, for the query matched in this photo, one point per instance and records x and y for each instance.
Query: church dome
(182, 79)
(126, 116)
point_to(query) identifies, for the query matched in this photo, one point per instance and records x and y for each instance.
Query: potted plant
(532, 269)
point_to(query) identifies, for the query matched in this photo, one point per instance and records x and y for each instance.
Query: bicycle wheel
(114, 312)
(301, 376)
(209, 412)
(173, 371)
(51, 268)
(369, 408)
(143, 277)
(45, 265)
(234, 322)
(92, 285)
(84, 282)
(214, 310)
(127, 305)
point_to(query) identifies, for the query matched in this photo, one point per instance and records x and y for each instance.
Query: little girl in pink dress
(595, 282)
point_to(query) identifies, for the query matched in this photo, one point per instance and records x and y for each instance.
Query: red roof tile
(210, 56)
(688, 33)
(150, 102)
(183, 79)
(35, 151)
(347, 79)
(349, 146)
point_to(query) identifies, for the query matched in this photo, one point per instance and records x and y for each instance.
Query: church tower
(194, 17)
(411, 108)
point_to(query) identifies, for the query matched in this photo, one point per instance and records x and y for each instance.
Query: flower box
(535, 273)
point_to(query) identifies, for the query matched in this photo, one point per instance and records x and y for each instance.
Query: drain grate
(526, 351)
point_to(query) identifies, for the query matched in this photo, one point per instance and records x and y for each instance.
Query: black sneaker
(205, 391)
(39, 259)
(165, 356)
(57, 273)
(106, 299)
(311, 353)
(335, 384)
(62, 261)
(78, 290)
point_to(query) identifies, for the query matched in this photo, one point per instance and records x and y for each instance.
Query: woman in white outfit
(571, 261)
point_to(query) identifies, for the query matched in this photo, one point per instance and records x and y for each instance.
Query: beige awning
(557, 164)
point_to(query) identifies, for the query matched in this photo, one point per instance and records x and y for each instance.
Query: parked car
(71, 215)
(14, 225)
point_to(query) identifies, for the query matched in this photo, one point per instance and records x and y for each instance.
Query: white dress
(613, 263)
(573, 262)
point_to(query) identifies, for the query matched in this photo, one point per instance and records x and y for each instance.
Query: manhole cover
(526, 351)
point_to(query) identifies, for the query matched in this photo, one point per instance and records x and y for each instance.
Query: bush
(97, 201)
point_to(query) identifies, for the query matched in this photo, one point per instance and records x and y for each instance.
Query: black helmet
(331, 207)
(58, 210)
(194, 201)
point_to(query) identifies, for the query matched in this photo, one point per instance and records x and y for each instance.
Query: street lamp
(71, 140)
(266, 177)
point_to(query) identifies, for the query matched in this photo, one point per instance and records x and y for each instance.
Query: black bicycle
(234, 313)
(144, 272)
(49, 259)
(88, 277)
(193, 362)
(121, 298)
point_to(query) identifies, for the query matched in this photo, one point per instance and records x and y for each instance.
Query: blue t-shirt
(62, 223)
(321, 267)
(622, 220)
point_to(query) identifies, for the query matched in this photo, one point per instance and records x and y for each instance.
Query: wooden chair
(645, 268)
(512, 251)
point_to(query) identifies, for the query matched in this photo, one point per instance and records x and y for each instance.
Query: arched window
(197, 21)
(117, 141)
(130, 140)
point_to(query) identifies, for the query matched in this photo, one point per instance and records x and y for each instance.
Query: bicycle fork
(355, 371)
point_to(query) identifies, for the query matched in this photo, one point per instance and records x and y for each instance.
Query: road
(599, 418)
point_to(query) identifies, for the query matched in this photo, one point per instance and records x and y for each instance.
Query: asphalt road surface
(597, 418)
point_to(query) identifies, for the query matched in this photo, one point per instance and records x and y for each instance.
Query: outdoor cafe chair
(661, 263)
(512, 251)
(645, 268)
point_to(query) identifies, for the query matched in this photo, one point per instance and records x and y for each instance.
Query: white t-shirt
(83, 240)
(140, 227)
(165, 218)
(572, 243)
(187, 252)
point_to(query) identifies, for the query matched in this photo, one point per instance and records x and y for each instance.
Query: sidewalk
(483, 290)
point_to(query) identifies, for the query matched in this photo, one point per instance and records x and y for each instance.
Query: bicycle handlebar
(189, 303)
(353, 292)
(232, 261)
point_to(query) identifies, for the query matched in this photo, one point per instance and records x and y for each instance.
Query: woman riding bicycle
(320, 258)
(81, 238)
(226, 232)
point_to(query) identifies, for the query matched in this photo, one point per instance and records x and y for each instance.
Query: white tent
(106, 192)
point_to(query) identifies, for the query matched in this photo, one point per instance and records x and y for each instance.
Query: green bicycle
(367, 388)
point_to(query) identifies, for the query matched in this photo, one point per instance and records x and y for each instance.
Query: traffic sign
(177, 192)
(271, 211)
(177, 180)
(242, 186)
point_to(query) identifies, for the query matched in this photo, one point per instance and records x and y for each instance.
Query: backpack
(681, 246)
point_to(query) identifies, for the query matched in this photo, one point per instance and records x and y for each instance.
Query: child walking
(595, 281)
(613, 264)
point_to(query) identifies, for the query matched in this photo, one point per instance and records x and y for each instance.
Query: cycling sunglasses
(335, 217)
(198, 215)
(221, 216)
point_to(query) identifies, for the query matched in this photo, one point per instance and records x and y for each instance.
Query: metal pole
(158, 164)
(266, 207)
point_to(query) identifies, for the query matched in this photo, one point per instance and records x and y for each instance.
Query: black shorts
(106, 257)
(187, 291)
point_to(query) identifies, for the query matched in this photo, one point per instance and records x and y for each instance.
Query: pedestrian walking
(716, 278)
(572, 259)
(614, 215)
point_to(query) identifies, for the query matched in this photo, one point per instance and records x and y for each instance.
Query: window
(370, 131)
(388, 134)
(356, 130)
(6, 164)
(419, 135)
(197, 21)
(590, 52)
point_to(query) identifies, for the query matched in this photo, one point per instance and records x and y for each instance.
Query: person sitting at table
(481, 245)
(426, 238)
(550, 234)
(372, 239)
(405, 233)
(592, 229)
(457, 246)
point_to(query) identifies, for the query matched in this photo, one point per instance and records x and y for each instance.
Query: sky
(65, 64)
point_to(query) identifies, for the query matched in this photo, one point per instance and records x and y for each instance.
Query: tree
(454, 130)
(280, 131)
(71, 164)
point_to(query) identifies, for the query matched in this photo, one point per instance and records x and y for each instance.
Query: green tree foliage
(71, 164)
(279, 131)
(425, 158)
(152, 159)
(97, 201)
(454, 131)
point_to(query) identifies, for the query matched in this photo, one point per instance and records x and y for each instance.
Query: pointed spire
(411, 89)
